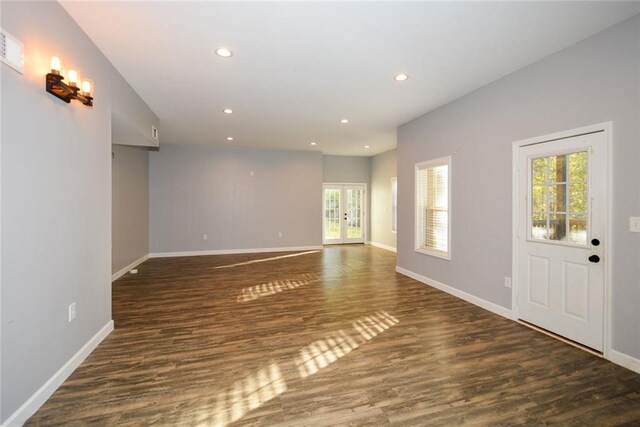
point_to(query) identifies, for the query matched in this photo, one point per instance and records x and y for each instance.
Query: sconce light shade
(73, 77)
(87, 87)
(56, 65)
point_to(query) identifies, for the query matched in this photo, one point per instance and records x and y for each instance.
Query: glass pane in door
(332, 212)
(354, 213)
(558, 197)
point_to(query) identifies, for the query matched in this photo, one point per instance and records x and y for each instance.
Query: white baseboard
(381, 246)
(28, 408)
(233, 251)
(625, 360)
(487, 305)
(616, 357)
(124, 271)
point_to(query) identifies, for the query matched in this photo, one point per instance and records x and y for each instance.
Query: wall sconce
(77, 88)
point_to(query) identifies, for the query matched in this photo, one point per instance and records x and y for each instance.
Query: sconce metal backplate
(65, 92)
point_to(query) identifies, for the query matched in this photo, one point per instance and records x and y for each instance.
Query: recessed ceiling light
(227, 111)
(313, 143)
(401, 77)
(344, 121)
(229, 138)
(224, 52)
(366, 146)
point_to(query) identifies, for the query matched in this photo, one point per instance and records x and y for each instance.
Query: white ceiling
(299, 67)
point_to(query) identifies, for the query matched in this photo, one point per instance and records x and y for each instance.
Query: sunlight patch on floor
(245, 395)
(323, 352)
(254, 261)
(271, 288)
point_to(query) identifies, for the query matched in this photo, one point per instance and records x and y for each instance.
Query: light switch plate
(634, 224)
(11, 51)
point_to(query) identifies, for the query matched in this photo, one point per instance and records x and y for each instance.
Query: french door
(343, 210)
(561, 227)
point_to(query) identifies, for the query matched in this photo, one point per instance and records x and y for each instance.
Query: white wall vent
(11, 51)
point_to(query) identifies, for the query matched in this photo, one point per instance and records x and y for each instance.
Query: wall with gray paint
(346, 169)
(383, 168)
(130, 205)
(350, 169)
(241, 198)
(56, 200)
(594, 81)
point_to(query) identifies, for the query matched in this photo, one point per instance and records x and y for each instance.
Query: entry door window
(332, 217)
(354, 213)
(559, 193)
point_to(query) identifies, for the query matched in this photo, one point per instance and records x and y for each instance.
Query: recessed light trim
(367, 146)
(344, 121)
(224, 52)
(401, 77)
(313, 143)
(227, 111)
(229, 138)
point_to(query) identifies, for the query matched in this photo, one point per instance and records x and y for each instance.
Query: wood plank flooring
(331, 337)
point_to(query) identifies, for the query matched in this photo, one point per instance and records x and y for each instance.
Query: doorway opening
(561, 246)
(343, 213)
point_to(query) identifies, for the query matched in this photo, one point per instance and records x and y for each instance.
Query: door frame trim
(364, 211)
(607, 129)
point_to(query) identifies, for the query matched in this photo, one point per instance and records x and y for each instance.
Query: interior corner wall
(240, 198)
(130, 205)
(594, 81)
(383, 169)
(56, 201)
(349, 169)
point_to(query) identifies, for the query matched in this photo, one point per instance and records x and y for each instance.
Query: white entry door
(343, 209)
(561, 226)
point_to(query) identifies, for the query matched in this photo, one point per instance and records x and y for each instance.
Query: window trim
(417, 168)
(394, 180)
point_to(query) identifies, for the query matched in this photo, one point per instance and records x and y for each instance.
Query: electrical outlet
(634, 224)
(205, 237)
(72, 312)
(507, 282)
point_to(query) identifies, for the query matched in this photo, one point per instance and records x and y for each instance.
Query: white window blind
(432, 205)
(394, 204)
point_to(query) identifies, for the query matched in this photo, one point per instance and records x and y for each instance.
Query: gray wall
(594, 81)
(56, 200)
(383, 168)
(350, 169)
(346, 169)
(197, 190)
(130, 205)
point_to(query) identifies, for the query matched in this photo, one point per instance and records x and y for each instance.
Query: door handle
(594, 259)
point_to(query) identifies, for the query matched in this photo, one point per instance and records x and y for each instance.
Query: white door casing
(561, 208)
(343, 213)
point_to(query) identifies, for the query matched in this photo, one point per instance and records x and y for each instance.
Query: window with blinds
(432, 207)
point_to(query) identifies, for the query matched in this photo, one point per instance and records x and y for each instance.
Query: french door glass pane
(354, 216)
(559, 195)
(332, 215)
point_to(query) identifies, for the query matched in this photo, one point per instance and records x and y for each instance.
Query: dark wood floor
(333, 337)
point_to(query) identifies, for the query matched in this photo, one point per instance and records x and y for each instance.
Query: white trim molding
(233, 251)
(624, 360)
(124, 270)
(381, 246)
(28, 408)
(482, 303)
